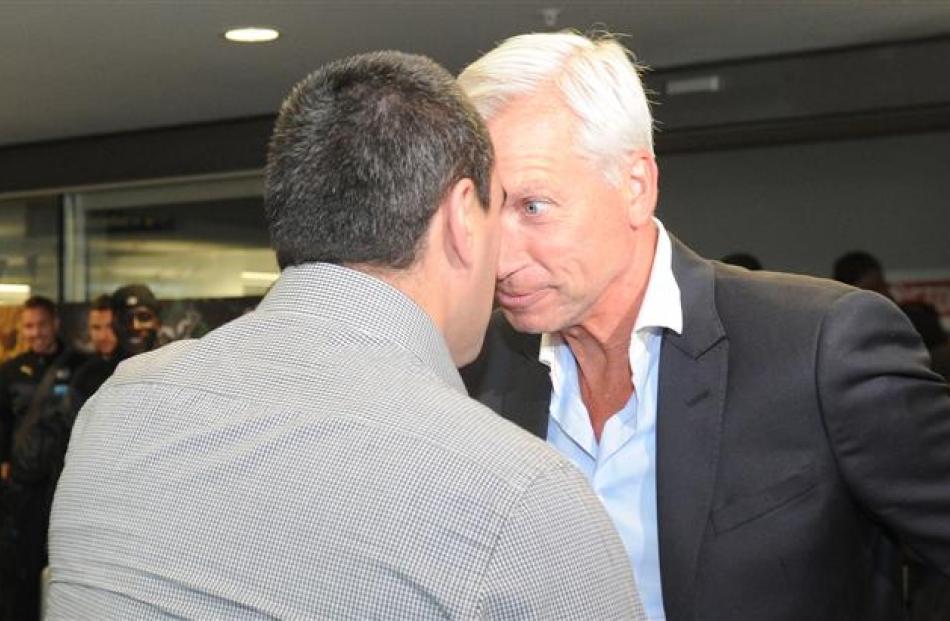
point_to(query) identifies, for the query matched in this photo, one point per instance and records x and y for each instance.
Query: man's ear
(460, 205)
(641, 179)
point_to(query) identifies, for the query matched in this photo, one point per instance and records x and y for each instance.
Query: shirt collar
(661, 307)
(367, 305)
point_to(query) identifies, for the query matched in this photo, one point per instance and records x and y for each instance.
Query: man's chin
(526, 322)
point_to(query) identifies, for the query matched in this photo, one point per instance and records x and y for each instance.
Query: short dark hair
(101, 303)
(363, 151)
(851, 266)
(43, 302)
(743, 259)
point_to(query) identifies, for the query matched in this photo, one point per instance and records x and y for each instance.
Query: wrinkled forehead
(535, 122)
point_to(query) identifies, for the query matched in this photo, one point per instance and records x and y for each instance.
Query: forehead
(533, 136)
(33, 315)
(100, 314)
(138, 310)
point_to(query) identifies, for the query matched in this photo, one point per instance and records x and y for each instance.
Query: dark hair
(101, 303)
(39, 301)
(850, 267)
(130, 296)
(363, 151)
(743, 259)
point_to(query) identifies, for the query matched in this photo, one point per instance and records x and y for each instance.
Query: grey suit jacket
(800, 438)
(318, 458)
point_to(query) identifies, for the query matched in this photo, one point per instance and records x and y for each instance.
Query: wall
(799, 206)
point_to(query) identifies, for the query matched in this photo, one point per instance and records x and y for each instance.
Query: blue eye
(534, 208)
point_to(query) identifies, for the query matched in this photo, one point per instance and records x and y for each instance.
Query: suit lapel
(527, 396)
(691, 395)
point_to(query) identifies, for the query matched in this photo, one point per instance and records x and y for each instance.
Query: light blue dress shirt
(622, 468)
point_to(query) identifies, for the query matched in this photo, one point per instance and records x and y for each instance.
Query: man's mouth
(517, 300)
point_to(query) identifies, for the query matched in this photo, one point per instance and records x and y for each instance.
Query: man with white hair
(763, 442)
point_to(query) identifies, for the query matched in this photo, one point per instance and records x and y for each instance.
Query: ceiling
(75, 68)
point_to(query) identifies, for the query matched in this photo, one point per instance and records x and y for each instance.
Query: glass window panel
(203, 239)
(29, 248)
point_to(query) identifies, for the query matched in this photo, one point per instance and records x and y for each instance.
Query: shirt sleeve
(559, 557)
(888, 418)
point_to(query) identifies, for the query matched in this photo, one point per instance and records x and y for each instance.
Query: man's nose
(510, 251)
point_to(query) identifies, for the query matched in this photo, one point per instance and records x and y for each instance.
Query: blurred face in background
(38, 330)
(137, 329)
(101, 334)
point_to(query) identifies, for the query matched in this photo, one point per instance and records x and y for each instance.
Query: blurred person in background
(926, 321)
(33, 382)
(743, 259)
(136, 322)
(120, 325)
(862, 270)
(99, 327)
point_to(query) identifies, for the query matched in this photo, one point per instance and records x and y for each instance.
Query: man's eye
(534, 208)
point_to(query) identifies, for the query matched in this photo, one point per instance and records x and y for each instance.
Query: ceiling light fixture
(252, 34)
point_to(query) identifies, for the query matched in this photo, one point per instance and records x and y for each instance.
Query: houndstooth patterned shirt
(319, 459)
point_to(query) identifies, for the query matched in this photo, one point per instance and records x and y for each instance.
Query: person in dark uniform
(41, 438)
(135, 322)
(30, 383)
(41, 443)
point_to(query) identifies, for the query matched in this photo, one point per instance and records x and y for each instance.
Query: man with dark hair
(862, 270)
(119, 326)
(47, 358)
(743, 259)
(30, 383)
(42, 438)
(99, 327)
(135, 321)
(318, 457)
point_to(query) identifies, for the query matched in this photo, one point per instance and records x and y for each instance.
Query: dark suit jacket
(799, 434)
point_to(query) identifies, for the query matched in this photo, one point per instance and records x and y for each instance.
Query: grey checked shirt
(319, 459)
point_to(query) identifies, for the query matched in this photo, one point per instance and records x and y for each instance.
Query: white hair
(598, 79)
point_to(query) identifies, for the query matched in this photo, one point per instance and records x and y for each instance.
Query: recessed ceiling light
(251, 35)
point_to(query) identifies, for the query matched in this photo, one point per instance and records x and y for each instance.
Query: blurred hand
(4, 470)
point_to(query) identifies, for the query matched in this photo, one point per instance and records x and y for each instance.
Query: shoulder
(467, 431)
(14, 363)
(793, 292)
(151, 365)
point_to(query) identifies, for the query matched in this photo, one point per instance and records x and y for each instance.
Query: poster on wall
(928, 287)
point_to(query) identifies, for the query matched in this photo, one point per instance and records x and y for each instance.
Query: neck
(605, 330)
(601, 342)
